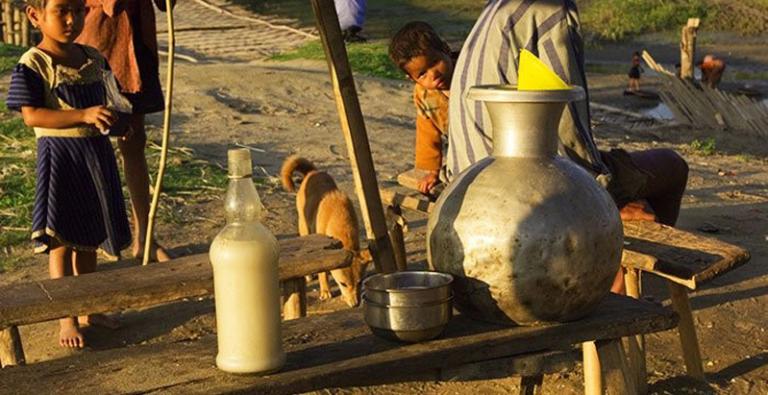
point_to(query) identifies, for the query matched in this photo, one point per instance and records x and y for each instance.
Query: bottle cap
(239, 163)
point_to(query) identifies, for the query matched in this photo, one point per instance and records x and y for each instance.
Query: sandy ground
(288, 108)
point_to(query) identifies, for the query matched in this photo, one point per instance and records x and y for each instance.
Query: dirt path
(218, 31)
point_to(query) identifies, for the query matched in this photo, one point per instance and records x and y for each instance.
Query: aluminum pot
(528, 235)
(408, 288)
(408, 323)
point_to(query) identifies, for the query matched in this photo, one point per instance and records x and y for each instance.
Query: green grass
(368, 59)
(9, 55)
(617, 19)
(704, 147)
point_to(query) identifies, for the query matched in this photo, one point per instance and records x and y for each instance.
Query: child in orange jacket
(427, 61)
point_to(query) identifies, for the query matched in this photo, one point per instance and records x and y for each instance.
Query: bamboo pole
(353, 127)
(16, 26)
(149, 239)
(24, 30)
(8, 20)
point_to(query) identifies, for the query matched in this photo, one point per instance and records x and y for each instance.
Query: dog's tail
(291, 164)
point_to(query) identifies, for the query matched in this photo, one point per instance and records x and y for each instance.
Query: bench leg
(294, 299)
(606, 370)
(395, 215)
(636, 344)
(685, 327)
(531, 385)
(11, 350)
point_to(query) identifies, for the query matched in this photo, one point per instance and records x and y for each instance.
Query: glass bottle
(244, 256)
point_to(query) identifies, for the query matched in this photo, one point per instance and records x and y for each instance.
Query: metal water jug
(529, 236)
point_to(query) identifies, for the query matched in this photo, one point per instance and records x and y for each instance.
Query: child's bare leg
(664, 190)
(59, 265)
(137, 179)
(84, 262)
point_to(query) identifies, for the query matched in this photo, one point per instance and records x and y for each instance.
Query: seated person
(427, 61)
(645, 185)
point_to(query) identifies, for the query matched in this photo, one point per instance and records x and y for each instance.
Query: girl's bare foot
(101, 320)
(69, 334)
(158, 253)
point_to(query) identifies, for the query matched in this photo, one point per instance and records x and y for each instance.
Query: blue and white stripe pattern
(549, 29)
(78, 197)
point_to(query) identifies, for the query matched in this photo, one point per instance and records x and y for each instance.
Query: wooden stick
(636, 344)
(24, 30)
(8, 22)
(11, 350)
(397, 223)
(593, 378)
(353, 127)
(149, 239)
(687, 330)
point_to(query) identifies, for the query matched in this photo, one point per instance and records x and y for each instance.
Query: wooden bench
(139, 286)
(338, 350)
(684, 259)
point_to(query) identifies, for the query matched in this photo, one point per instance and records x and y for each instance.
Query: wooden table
(338, 350)
(141, 286)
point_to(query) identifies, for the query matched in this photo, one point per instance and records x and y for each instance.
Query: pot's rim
(510, 94)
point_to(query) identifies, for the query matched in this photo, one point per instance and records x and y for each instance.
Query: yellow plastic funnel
(534, 75)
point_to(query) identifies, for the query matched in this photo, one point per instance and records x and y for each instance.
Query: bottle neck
(525, 129)
(242, 202)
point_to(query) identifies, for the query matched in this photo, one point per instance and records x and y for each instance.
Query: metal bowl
(408, 306)
(408, 323)
(408, 288)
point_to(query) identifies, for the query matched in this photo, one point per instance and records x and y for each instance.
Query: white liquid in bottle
(244, 256)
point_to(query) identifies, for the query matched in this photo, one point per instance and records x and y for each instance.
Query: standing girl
(59, 88)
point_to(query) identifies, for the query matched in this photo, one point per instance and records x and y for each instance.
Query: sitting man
(639, 182)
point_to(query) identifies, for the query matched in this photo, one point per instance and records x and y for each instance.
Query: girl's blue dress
(78, 198)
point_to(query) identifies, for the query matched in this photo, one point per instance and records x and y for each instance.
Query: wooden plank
(11, 350)
(330, 350)
(411, 200)
(683, 257)
(139, 286)
(353, 128)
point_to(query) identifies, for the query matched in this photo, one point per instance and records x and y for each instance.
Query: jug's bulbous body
(528, 235)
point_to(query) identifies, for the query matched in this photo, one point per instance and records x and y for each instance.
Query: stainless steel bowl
(408, 288)
(408, 323)
(408, 306)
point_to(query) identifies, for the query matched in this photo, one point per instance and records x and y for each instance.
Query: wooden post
(8, 22)
(593, 379)
(636, 344)
(353, 127)
(24, 29)
(688, 48)
(16, 26)
(687, 330)
(396, 227)
(11, 350)
(294, 299)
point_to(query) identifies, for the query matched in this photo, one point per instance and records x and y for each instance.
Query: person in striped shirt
(427, 60)
(645, 185)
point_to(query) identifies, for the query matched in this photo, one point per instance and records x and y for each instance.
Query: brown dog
(326, 210)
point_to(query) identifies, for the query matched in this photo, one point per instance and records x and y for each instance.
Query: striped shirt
(549, 29)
